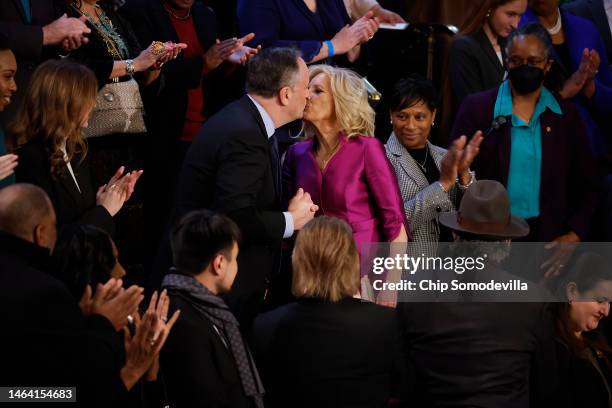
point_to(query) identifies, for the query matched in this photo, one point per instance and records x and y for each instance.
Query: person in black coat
(233, 167)
(53, 153)
(328, 349)
(53, 341)
(35, 34)
(594, 11)
(584, 355)
(477, 57)
(206, 361)
(193, 87)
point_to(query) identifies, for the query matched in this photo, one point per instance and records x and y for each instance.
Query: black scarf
(215, 310)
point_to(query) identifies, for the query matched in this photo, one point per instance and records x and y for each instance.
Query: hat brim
(516, 228)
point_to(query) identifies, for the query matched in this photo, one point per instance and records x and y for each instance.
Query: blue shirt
(10, 179)
(525, 172)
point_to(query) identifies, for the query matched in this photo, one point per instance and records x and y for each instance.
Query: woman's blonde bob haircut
(353, 111)
(325, 260)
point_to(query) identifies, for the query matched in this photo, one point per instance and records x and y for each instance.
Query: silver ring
(164, 319)
(130, 319)
(370, 37)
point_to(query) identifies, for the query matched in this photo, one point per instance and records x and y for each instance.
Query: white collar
(267, 120)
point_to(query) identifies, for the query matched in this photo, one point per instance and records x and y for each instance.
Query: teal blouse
(525, 172)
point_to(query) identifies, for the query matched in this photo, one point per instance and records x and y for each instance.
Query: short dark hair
(536, 30)
(271, 70)
(200, 236)
(83, 255)
(412, 90)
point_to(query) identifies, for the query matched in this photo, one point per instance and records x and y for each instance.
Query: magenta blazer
(358, 186)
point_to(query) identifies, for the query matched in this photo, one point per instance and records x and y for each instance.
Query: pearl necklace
(558, 25)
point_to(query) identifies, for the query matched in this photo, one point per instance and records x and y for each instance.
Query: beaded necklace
(114, 43)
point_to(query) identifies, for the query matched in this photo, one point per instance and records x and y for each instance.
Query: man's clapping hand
(302, 209)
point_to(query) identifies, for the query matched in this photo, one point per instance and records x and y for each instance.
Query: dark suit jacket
(49, 342)
(71, 206)
(26, 41)
(479, 354)
(228, 169)
(198, 368)
(567, 195)
(473, 66)
(289, 23)
(581, 384)
(594, 11)
(315, 353)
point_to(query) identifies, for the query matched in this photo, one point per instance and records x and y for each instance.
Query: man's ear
(284, 95)
(218, 264)
(549, 65)
(40, 236)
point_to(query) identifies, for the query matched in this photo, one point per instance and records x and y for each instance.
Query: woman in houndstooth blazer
(431, 179)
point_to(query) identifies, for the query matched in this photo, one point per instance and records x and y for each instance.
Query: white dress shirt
(63, 149)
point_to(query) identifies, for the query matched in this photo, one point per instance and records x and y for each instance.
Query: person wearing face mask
(431, 179)
(8, 86)
(581, 65)
(476, 57)
(534, 144)
(583, 354)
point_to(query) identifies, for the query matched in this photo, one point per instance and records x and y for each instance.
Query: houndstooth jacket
(423, 202)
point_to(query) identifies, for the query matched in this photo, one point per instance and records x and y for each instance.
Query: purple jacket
(358, 186)
(567, 194)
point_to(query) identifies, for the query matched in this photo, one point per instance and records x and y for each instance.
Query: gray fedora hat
(485, 212)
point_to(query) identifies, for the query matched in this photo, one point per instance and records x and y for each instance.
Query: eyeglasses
(531, 61)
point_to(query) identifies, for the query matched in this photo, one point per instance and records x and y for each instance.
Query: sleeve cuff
(289, 229)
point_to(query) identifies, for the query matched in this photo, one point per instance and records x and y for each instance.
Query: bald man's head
(26, 212)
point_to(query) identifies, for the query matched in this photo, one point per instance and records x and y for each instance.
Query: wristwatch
(129, 67)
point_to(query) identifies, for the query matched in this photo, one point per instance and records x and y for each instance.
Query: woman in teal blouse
(8, 69)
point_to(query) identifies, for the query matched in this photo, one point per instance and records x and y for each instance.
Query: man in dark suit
(480, 354)
(206, 360)
(36, 32)
(595, 11)
(233, 167)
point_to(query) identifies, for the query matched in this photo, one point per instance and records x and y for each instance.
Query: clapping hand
(112, 302)
(563, 248)
(142, 347)
(127, 183)
(467, 157)
(8, 162)
(172, 51)
(243, 53)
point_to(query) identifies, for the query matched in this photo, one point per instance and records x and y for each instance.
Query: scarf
(214, 309)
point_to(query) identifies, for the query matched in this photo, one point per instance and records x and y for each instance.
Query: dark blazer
(49, 341)
(581, 385)
(567, 195)
(290, 23)
(473, 66)
(479, 354)
(314, 353)
(228, 169)
(198, 368)
(71, 206)
(594, 11)
(26, 41)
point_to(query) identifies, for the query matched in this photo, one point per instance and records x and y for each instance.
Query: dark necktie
(276, 165)
(27, 10)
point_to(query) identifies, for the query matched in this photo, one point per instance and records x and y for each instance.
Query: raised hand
(449, 166)
(221, 51)
(387, 16)
(73, 29)
(469, 154)
(160, 305)
(366, 27)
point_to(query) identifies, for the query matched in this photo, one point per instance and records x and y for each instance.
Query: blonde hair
(58, 96)
(354, 113)
(325, 260)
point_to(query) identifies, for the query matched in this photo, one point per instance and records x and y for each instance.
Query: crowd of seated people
(248, 288)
